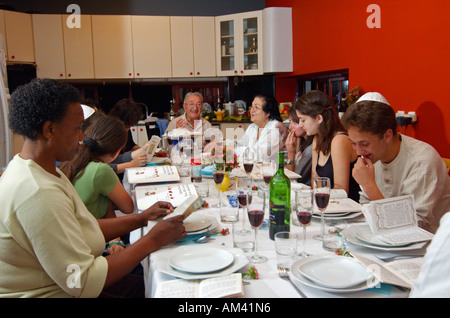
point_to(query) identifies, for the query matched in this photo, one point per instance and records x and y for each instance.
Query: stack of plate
(337, 215)
(332, 273)
(340, 208)
(197, 223)
(202, 261)
(361, 234)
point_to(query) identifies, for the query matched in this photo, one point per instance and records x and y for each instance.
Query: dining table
(268, 284)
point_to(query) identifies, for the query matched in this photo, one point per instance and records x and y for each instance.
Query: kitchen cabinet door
(78, 49)
(182, 46)
(19, 37)
(3, 31)
(151, 46)
(204, 46)
(112, 45)
(239, 44)
(48, 46)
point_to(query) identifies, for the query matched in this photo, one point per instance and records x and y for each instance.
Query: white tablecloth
(269, 285)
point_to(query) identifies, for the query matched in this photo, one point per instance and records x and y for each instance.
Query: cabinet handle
(61, 75)
(242, 72)
(190, 73)
(12, 57)
(69, 75)
(129, 74)
(198, 73)
(235, 72)
(137, 74)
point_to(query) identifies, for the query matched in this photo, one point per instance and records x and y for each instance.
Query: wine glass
(218, 175)
(249, 157)
(255, 211)
(304, 204)
(268, 170)
(244, 195)
(322, 197)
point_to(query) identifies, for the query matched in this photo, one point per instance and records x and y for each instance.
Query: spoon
(202, 239)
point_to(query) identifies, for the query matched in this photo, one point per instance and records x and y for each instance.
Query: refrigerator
(5, 133)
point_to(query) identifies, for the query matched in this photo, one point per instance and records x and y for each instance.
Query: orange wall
(407, 59)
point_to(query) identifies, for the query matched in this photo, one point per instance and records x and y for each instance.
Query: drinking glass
(304, 205)
(255, 210)
(244, 195)
(249, 159)
(268, 170)
(322, 197)
(218, 175)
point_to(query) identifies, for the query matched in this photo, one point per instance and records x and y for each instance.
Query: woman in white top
(267, 133)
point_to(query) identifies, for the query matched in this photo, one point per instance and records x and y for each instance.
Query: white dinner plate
(371, 281)
(196, 222)
(198, 259)
(351, 235)
(364, 233)
(338, 216)
(335, 271)
(161, 264)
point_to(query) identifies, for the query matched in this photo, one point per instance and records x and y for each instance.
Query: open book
(176, 194)
(190, 204)
(217, 287)
(394, 221)
(152, 146)
(153, 174)
(400, 272)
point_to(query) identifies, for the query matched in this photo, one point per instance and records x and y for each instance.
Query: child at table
(95, 181)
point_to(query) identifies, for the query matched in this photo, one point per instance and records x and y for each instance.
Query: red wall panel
(406, 60)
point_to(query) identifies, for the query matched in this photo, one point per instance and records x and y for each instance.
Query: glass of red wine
(322, 197)
(218, 175)
(255, 211)
(244, 195)
(304, 204)
(268, 170)
(249, 160)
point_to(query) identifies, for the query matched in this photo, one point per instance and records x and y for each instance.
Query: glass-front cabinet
(239, 44)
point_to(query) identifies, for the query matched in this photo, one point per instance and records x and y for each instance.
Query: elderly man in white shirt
(391, 164)
(191, 119)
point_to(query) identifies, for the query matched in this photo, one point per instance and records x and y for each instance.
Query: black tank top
(327, 171)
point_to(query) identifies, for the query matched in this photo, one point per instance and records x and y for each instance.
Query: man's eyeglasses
(194, 104)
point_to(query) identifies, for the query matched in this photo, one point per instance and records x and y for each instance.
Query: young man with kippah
(391, 164)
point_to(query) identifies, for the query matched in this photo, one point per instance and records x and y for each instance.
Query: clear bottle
(279, 200)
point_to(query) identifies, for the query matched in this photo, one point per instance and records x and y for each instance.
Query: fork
(282, 272)
(395, 257)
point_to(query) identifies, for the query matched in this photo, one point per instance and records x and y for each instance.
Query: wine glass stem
(322, 224)
(304, 239)
(256, 244)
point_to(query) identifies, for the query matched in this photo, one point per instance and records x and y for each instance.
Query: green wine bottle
(280, 200)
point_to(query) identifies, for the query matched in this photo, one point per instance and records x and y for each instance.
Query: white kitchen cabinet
(239, 44)
(78, 49)
(193, 46)
(277, 33)
(182, 46)
(151, 46)
(3, 31)
(48, 46)
(204, 46)
(19, 37)
(112, 46)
